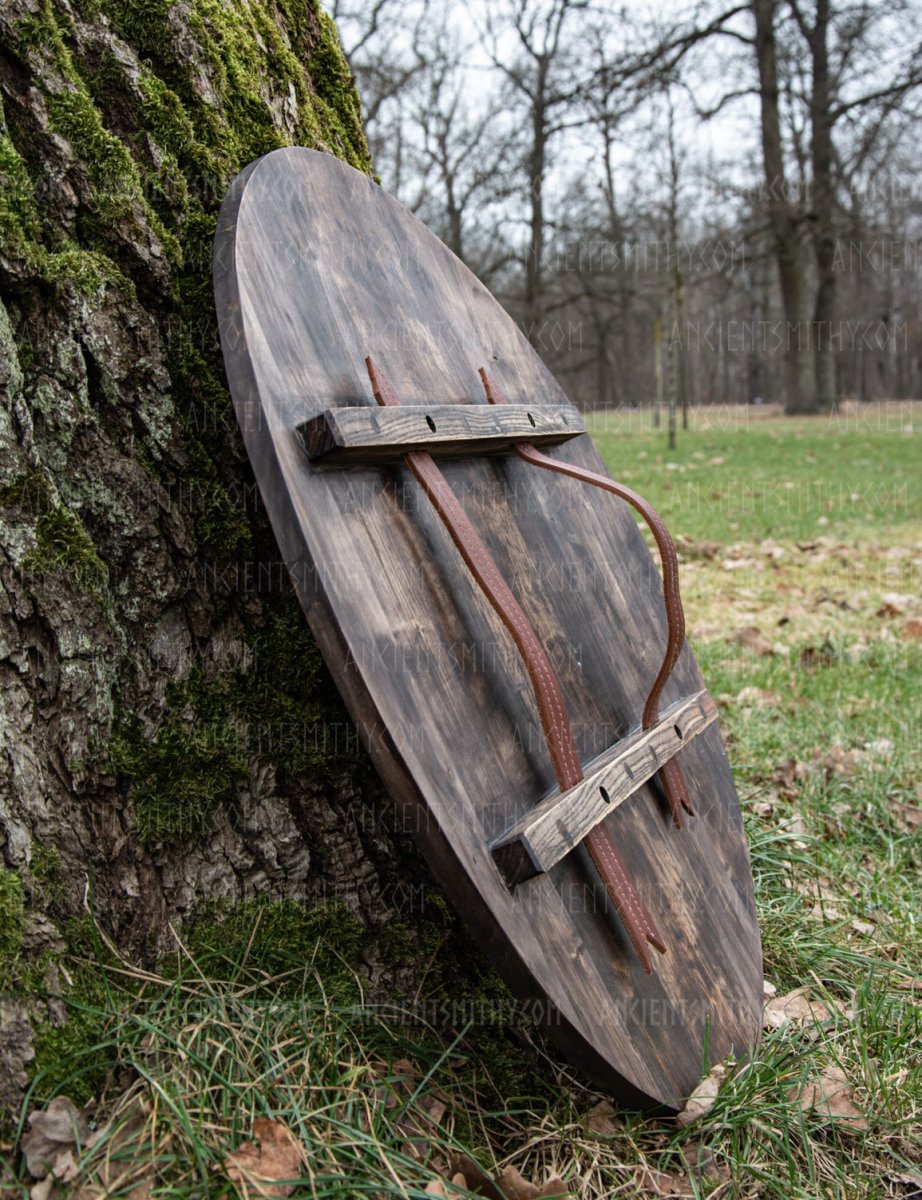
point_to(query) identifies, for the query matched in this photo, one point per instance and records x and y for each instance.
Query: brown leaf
(514, 1187)
(908, 1185)
(908, 983)
(703, 1163)
(893, 604)
(912, 628)
(51, 1137)
(796, 1008)
(829, 1094)
(786, 777)
(692, 549)
(754, 641)
(838, 762)
(121, 1156)
(603, 1119)
(663, 1183)
(817, 656)
(907, 815)
(756, 697)
(476, 1178)
(509, 1185)
(269, 1165)
(702, 1099)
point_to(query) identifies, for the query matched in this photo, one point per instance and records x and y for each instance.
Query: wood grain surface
(315, 268)
(540, 839)
(362, 435)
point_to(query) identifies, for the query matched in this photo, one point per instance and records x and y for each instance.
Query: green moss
(465, 997)
(12, 918)
(107, 161)
(117, 189)
(24, 238)
(290, 706)
(62, 543)
(336, 106)
(76, 1056)
(283, 708)
(45, 868)
(29, 492)
(178, 776)
(310, 947)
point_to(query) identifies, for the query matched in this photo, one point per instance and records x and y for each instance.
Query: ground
(801, 548)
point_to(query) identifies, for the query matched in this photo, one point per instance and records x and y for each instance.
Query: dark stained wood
(374, 434)
(540, 839)
(315, 268)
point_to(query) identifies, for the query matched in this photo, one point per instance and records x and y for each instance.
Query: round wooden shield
(315, 269)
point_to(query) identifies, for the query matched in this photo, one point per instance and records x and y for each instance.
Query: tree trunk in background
(789, 247)
(824, 239)
(169, 733)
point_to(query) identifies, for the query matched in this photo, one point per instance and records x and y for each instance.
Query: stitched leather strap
(671, 774)
(551, 708)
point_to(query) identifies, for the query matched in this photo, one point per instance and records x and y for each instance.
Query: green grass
(776, 477)
(821, 715)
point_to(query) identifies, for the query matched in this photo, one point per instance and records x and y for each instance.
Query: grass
(747, 474)
(802, 616)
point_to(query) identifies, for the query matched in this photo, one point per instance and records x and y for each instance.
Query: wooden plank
(316, 267)
(373, 434)
(554, 827)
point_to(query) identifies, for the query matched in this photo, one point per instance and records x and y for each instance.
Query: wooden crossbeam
(560, 822)
(378, 434)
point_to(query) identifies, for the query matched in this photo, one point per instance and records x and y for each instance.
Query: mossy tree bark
(170, 736)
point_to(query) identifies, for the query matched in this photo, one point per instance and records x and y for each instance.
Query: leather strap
(671, 774)
(551, 707)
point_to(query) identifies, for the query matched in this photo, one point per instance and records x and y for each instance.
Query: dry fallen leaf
(268, 1166)
(662, 1183)
(908, 983)
(908, 1185)
(908, 816)
(912, 628)
(796, 1008)
(753, 640)
(117, 1158)
(692, 549)
(756, 697)
(122, 1162)
(702, 1099)
(703, 1163)
(830, 1095)
(475, 1177)
(603, 1119)
(786, 776)
(508, 1186)
(52, 1136)
(514, 1187)
(865, 928)
(817, 656)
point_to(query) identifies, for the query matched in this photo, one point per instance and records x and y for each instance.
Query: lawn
(801, 551)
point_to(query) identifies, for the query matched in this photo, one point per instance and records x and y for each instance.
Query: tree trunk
(800, 394)
(824, 241)
(537, 166)
(170, 734)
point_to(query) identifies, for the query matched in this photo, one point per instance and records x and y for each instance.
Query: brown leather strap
(551, 707)
(671, 774)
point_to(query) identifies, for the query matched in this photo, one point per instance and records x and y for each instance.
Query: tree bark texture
(170, 736)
